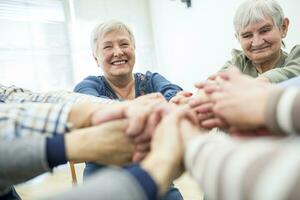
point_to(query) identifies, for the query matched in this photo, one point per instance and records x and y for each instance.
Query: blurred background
(44, 44)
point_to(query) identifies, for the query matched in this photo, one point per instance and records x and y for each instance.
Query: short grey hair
(102, 29)
(252, 11)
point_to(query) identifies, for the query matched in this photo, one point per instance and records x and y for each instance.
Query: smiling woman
(260, 29)
(113, 47)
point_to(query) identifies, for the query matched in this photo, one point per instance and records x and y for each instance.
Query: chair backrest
(73, 173)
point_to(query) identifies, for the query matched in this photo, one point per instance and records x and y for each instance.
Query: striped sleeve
(283, 111)
(258, 169)
(27, 119)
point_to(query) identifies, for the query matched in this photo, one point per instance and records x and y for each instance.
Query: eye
(265, 30)
(125, 44)
(107, 47)
(245, 36)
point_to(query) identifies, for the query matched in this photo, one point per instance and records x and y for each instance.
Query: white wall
(192, 43)
(88, 13)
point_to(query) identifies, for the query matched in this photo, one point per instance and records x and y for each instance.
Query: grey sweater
(21, 160)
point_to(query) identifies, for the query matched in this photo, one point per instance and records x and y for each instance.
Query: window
(34, 45)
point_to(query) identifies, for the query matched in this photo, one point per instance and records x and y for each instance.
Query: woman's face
(115, 54)
(261, 41)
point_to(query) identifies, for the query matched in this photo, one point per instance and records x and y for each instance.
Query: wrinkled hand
(241, 100)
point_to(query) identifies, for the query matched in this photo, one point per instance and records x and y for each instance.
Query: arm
(22, 159)
(290, 69)
(113, 184)
(158, 83)
(282, 111)
(29, 119)
(14, 94)
(244, 169)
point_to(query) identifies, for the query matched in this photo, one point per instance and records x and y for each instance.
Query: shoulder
(295, 50)
(89, 82)
(236, 53)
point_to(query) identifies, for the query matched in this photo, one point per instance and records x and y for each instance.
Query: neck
(267, 65)
(124, 86)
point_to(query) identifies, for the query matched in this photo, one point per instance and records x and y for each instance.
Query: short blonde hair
(102, 29)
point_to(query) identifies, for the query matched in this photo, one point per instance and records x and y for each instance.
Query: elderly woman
(260, 27)
(113, 47)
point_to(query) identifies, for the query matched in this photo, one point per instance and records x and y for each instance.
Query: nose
(257, 40)
(118, 51)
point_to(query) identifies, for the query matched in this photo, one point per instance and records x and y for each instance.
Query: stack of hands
(126, 132)
(231, 101)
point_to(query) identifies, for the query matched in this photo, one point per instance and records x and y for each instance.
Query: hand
(136, 111)
(241, 100)
(105, 143)
(181, 97)
(164, 163)
(203, 106)
(81, 114)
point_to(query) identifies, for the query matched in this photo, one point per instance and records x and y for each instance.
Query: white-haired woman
(260, 27)
(113, 47)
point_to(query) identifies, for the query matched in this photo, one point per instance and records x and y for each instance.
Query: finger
(197, 101)
(211, 123)
(138, 156)
(212, 88)
(136, 123)
(204, 108)
(143, 147)
(204, 116)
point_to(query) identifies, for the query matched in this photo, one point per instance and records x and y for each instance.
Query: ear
(236, 35)
(96, 59)
(285, 27)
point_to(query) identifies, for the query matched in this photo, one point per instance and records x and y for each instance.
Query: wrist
(161, 169)
(81, 114)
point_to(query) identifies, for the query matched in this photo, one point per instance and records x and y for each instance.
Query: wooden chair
(73, 173)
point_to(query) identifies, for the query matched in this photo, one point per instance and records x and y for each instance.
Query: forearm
(14, 94)
(28, 119)
(283, 110)
(161, 170)
(229, 168)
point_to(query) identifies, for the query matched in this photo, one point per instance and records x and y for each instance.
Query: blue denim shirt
(144, 84)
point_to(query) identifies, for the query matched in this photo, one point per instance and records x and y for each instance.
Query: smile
(260, 48)
(119, 62)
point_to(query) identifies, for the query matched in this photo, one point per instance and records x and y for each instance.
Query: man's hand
(105, 143)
